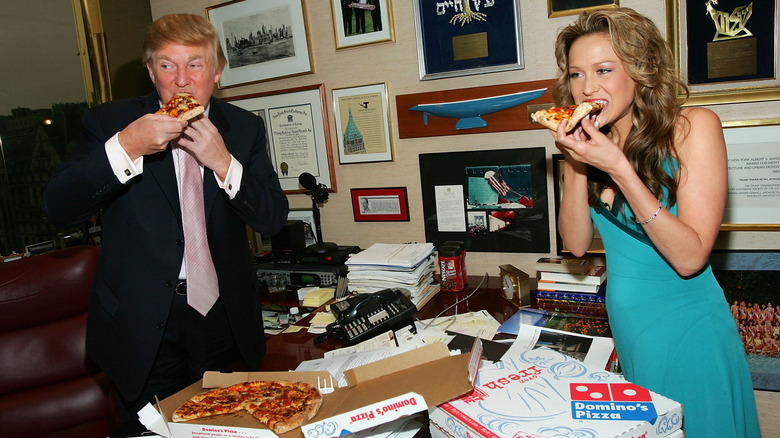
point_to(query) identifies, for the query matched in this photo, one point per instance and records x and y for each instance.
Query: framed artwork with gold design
(467, 38)
(725, 50)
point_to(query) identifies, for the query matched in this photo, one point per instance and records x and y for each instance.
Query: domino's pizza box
(378, 393)
(543, 393)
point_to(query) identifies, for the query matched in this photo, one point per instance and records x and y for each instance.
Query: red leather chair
(48, 387)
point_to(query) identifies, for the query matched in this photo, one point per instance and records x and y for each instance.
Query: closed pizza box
(378, 393)
(543, 393)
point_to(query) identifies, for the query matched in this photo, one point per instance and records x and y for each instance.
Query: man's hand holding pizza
(150, 134)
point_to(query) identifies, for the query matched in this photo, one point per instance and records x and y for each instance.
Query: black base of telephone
(365, 316)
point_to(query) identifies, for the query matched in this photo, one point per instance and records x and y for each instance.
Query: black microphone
(308, 181)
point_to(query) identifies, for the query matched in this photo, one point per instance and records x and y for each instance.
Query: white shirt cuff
(124, 168)
(232, 179)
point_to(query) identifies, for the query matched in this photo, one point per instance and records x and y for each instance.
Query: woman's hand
(587, 145)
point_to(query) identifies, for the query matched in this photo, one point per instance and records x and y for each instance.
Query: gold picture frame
(736, 88)
(560, 8)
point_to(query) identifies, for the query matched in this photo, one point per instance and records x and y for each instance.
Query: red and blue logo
(611, 401)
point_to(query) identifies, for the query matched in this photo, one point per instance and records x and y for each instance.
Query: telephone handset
(364, 316)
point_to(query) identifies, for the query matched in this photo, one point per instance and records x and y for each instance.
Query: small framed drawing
(297, 132)
(457, 39)
(309, 226)
(557, 8)
(363, 124)
(380, 205)
(359, 22)
(262, 40)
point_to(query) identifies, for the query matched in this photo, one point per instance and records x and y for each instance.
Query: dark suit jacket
(142, 245)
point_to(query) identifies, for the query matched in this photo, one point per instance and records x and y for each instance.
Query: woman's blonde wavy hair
(647, 58)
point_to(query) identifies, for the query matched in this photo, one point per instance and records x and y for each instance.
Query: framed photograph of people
(492, 200)
(596, 246)
(725, 50)
(753, 198)
(309, 225)
(297, 132)
(557, 8)
(359, 22)
(388, 204)
(262, 40)
(466, 38)
(363, 124)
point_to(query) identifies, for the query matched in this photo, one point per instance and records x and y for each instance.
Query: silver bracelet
(660, 206)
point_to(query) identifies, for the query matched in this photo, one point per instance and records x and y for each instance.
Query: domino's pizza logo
(611, 401)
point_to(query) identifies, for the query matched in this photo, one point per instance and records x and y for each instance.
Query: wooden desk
(287, 350)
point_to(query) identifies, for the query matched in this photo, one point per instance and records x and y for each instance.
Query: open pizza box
(378, 393)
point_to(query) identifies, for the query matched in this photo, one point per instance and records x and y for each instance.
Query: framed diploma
(725, 50)
(296, 124)
(466, 38)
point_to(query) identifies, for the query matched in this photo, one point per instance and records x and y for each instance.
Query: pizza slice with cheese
(572, 114)
(182, 106)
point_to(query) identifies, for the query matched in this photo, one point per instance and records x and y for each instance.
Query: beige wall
(395, 63)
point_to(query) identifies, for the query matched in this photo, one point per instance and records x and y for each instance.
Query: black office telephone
(364, 316)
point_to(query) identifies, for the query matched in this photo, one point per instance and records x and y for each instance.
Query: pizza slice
(572, 114)
(280, 405)
(182, 106)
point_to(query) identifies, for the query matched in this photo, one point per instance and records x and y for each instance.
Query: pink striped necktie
(202, 286)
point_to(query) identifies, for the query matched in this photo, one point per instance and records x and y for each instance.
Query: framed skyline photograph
(363, 124)
(262, 40)
(455, 40)
(558, 8)
(296, 123)
(387, 204)
(360, 22)
(726, 51)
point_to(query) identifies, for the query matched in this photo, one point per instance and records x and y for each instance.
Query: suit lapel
(160, 165)
(210, 188)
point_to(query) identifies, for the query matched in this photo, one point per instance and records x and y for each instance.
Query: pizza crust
(182, 106)
(572, 114)
(280, 405)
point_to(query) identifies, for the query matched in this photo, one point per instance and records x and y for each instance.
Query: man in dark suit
(141, 330)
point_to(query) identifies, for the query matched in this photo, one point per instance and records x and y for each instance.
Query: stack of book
(408, 266)
(572, 287)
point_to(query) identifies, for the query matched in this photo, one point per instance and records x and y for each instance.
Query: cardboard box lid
(435, 377)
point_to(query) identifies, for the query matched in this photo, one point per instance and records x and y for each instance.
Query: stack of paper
(407, 266)
(318, 297)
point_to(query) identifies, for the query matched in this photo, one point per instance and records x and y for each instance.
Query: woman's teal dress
(675, 335)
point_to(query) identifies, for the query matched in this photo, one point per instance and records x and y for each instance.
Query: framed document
(388, 204)
(726, 51)
(457, 39)
(753, 199)
(262, 40)
(363, 124)
(297, 132)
